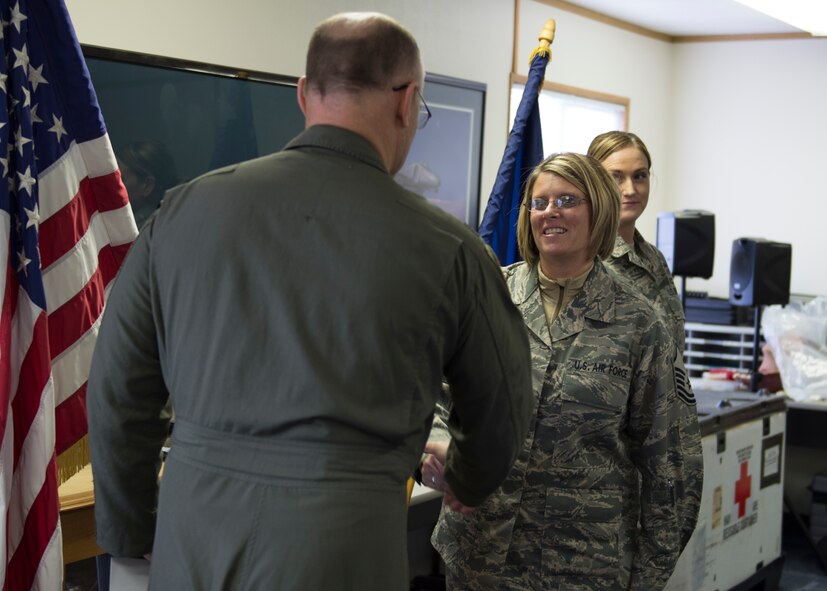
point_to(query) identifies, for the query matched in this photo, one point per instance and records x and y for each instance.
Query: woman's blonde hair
(589, 176)
(606, 144)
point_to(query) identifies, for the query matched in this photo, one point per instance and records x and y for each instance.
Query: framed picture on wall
(444, 162)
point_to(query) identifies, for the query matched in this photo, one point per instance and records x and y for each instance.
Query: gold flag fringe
(541, 50)
(73, 460)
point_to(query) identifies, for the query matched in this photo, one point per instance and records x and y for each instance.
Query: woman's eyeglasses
(562, 202)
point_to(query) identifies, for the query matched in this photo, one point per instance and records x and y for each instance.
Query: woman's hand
(433, 464)
(433, 475)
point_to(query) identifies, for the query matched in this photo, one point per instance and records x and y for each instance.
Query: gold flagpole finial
(547, 34)
(545, 38)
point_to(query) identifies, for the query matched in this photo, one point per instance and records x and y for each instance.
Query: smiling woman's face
(562, 236)
(630, 170)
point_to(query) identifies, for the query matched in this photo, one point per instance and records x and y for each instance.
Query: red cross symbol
(743, 486)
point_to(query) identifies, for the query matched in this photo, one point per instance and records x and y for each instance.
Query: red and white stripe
(85, 230)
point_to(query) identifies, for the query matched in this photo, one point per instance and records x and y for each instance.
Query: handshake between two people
(433, 475)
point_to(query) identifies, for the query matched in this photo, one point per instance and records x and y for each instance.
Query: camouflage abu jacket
(645, 268)
(594, 500)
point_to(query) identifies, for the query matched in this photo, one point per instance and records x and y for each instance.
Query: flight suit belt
(277, 460)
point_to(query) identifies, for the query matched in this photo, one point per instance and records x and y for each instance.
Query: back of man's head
(351, 52)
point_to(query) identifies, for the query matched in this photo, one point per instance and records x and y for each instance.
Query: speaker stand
(755, 376)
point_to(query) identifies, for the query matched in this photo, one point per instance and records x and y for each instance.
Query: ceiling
(689, 18)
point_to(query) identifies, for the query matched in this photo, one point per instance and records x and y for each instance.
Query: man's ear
(300, 95)
(406, 102)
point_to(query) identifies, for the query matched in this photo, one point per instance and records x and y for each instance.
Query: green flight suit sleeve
(125, 397)
(489, 379)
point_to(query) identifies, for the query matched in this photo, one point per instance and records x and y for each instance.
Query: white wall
(750, 145)
(470, 39)
(737, 128)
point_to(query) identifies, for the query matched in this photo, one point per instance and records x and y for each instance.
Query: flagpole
(523, 151)
(546, 38)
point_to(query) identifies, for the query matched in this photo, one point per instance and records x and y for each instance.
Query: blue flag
(523, 152)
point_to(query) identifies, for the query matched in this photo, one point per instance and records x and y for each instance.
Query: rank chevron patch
(685, 392)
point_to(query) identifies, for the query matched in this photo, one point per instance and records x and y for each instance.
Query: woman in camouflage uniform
(643, 266)
(627, 159)
(592, 501)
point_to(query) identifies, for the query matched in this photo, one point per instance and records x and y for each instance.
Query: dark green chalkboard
(208, 116)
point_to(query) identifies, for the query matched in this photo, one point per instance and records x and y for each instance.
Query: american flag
(65, 227)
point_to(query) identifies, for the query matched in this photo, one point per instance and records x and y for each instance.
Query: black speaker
(687, 241)
(759, 274)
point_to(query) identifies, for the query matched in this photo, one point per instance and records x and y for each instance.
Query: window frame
(574, 91)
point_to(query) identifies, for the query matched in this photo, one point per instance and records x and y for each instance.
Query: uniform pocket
(582, 533)
(595, 398)
(477, 541)
(586, 432)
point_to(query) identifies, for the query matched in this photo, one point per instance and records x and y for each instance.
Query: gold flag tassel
(73, 460)
(545, 38)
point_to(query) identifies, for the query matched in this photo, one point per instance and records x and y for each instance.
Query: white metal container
(737, 541)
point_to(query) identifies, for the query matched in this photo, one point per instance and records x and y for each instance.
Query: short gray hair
(358, 51)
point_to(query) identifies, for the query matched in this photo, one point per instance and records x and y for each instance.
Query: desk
(77, 517)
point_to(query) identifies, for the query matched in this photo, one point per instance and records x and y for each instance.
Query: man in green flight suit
(300, 311)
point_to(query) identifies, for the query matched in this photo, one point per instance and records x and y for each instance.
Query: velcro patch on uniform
(597, 367)
(685, 392)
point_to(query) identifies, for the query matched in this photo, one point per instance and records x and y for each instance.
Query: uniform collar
(622, 247)
(524, 284)
(596, 301)
(340, 140)
(636, 252)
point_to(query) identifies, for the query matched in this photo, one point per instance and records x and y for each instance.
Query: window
(571, 117)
